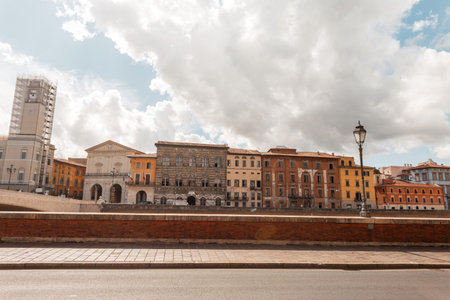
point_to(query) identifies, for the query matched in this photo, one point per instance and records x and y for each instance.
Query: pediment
(111, 146)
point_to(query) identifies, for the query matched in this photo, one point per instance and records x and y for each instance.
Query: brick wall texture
(233, 228)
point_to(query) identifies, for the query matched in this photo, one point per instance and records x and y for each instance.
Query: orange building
(399, 194)
(141, 185)
(68, 177)
(300, 179)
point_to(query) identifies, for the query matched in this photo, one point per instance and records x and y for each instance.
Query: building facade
(67, 178)
(107, 172)
(351, 185)
(26, 155)
(244, 187)
(141, 184)
(300, 179)
(190, 174)
(432, 173)
(404, 195)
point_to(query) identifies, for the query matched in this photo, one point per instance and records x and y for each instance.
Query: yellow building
(141, 186)
(68, 177)
(243, 178)
(351, 187)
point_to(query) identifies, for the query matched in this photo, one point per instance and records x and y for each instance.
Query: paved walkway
(94, 255)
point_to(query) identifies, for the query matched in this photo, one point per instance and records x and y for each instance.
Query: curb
(218, 265)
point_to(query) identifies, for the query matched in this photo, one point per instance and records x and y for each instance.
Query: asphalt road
(224, 284)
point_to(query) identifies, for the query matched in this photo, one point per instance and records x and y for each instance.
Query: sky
(252, 74)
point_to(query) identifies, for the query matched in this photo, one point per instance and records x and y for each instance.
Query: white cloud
(420, 25)
(442, 42)
(443, 152)
(78, 30)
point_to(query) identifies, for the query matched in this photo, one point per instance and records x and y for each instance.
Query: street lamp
(360, 136)
(10, 170)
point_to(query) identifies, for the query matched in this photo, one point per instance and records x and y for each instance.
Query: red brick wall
(326, 229)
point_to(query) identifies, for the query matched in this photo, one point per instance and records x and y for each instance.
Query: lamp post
(10, 170)
(360, 136)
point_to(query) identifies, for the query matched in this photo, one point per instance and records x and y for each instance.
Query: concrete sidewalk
(109, 255)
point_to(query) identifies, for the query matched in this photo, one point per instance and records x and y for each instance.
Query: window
(34, 176)
(342, 163)
(424, 177)
(24, 154)
(267, 176)
(258, 197)
(319, 178)
(252, 184)
(163, 200)
(228, 196)
(280, 191)
(76, 183)
(267, 192)
(367, 183)
(236, 163)
(330, 166)
(252, 195)
(399, 191)
(192, 161)
(218, 202)
(356, 173)
(179, 161)
(346, 172)
(348, 194)
(367, 195)
(202, 201)
(415, 191)
(357, 183)
(68, 170)
(331, 178)
(431, 191)
(165, 181)
(293, 191)
(138, 165)
(67, 182)
(439, 192)
(61, 181)
(149, 165)
(266, 163)
(166, 161)
(228, 163)
(305, 178)
(244, 183)
(407, 191)
(423, 191)
(1, 153)
(434, 175)
(236, 195)
(21, 175)
(205, 162)
(137, 178)
(440, 176)
(218, 162)
(292, 164)
(424, 200)
(332, 193)
(228, 182)
(318, 165)
(347, 182)
(37, 155)
(320, 193)
(280, 163)
(54, 180)
(292, 175)
(258, 164)
(258, 183)
(236, 182)
(350, 163)
(408, 199)
(178, 180)
(244, 196)
(252, 163)
(77, 172)
(305, 164)
(205, 181)
(280, 177)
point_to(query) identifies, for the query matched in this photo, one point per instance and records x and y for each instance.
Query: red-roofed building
(68, 177)
(399, 194)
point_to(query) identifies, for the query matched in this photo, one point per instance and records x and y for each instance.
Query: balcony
(143, 184)
(252, 188)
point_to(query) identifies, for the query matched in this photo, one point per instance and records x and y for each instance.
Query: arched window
(165, 180)
(179, 161)
(218, 202)
(218, 162)
(178, 180)
(163, 200)
(217, 182)
(205, 162)
(192, 161)
(203, 201)
(191, 181)
(205, 180)
(166, 160)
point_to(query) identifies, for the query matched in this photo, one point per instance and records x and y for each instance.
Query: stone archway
(141, 196)
(116, 193)
(96, 192)
(191, 200)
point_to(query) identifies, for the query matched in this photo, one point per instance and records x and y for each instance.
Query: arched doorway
(116, 193)
(96, 191)
(191, 200)
(141, 196)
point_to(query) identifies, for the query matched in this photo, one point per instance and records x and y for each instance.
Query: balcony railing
(143, 184)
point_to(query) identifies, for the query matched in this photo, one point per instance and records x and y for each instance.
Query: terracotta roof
(150, 155)
(68, 162)
(317, 154)
(79, 160)
(243, 151)
(426, 166)
(162, 143)
(396, 182)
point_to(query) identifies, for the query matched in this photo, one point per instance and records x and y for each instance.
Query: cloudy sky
(252, 74)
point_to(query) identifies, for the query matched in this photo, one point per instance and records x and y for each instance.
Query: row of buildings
(201, 174)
